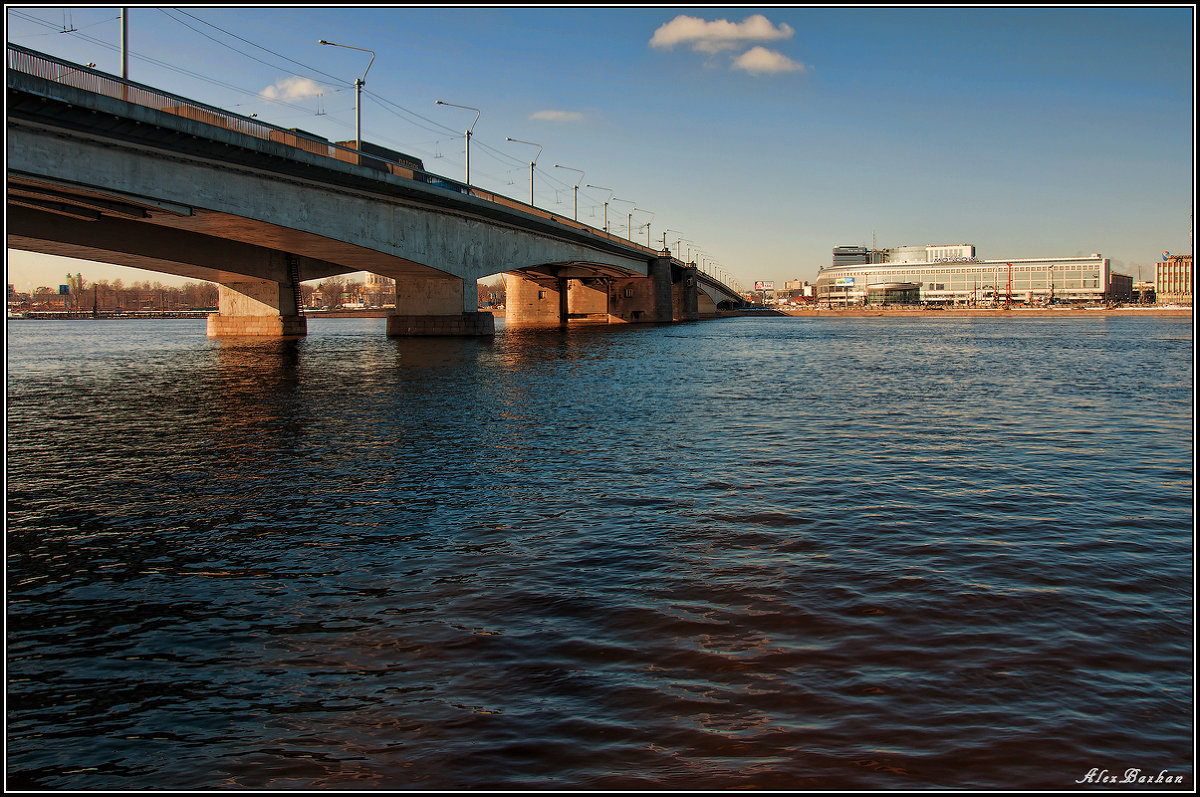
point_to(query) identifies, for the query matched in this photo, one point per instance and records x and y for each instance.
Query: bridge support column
(259, 308)
(587, 300)
(438, 306)
(643, 299)
(684, 294)
(529, 302)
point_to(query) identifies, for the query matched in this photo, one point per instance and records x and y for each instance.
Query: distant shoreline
(854, 312)
(1024, 312)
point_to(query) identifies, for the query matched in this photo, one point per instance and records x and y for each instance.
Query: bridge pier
(427, 306)
(644, 300)
(530, 302)
(667, 293)
(587, 299)
(685, 298)
(260, 307)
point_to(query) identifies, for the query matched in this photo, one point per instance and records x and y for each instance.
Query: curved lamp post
(358, 84)
(577, 182)
(531, 163)
(629, 218)
(469, 131)
(610, 193)
(646, 225)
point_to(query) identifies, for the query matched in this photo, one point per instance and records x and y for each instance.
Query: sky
(760, 137)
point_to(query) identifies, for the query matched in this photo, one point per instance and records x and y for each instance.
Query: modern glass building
(893, 293)
(953, 275)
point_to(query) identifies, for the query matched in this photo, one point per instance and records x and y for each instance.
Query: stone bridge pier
(261, 307)
(438, 306)
(573, 293)
(271, 307)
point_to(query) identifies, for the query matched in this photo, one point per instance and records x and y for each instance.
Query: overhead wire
(168, 66)
(223, 44)
(396, 109)
(259, 46)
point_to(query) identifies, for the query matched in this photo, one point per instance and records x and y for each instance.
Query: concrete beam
(334, 223)
(148, 246)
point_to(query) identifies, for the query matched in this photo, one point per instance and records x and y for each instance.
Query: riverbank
(1022, 312)
(853, 312)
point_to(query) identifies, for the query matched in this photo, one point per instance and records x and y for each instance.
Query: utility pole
(124, 44)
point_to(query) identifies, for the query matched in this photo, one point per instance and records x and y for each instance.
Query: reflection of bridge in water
(105, 169)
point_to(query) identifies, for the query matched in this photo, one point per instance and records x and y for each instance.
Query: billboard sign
(844, 281)
(764, 286)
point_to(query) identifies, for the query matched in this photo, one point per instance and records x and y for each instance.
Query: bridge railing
(48, 67)
(54, 69)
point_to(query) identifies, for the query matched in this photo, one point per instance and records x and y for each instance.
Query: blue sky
(764, 135)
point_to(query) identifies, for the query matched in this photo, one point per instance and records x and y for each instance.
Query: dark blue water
(750, 553)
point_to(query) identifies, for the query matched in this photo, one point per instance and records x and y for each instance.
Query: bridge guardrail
(31, 62)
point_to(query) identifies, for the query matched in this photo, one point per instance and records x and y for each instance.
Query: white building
(379, 291)
(952, 274)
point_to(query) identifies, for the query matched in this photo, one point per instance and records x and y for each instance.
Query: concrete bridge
(105, 169)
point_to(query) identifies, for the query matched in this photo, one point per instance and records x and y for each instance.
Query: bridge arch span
(167, 185)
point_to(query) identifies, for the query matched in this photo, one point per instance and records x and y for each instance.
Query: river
(772, 553)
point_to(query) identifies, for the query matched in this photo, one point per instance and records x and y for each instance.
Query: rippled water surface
(749, 553)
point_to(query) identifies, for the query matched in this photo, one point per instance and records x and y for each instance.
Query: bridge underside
(255, 264)
(258, 272)
(715, 296)
(187, 241)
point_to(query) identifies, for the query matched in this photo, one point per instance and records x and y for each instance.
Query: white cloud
(292, 88)
(558, 116)
(720, 34)
(761, 61)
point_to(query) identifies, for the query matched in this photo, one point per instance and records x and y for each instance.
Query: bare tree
(332, 290)
(491, 294)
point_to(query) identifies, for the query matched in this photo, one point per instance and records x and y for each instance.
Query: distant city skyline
(764, 138)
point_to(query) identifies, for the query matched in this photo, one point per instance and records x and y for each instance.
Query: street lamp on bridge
(577, 182)
(646, 225)
(610, 193)
(629, 218)
(469, 131)
(358, 84)
(531, 163)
